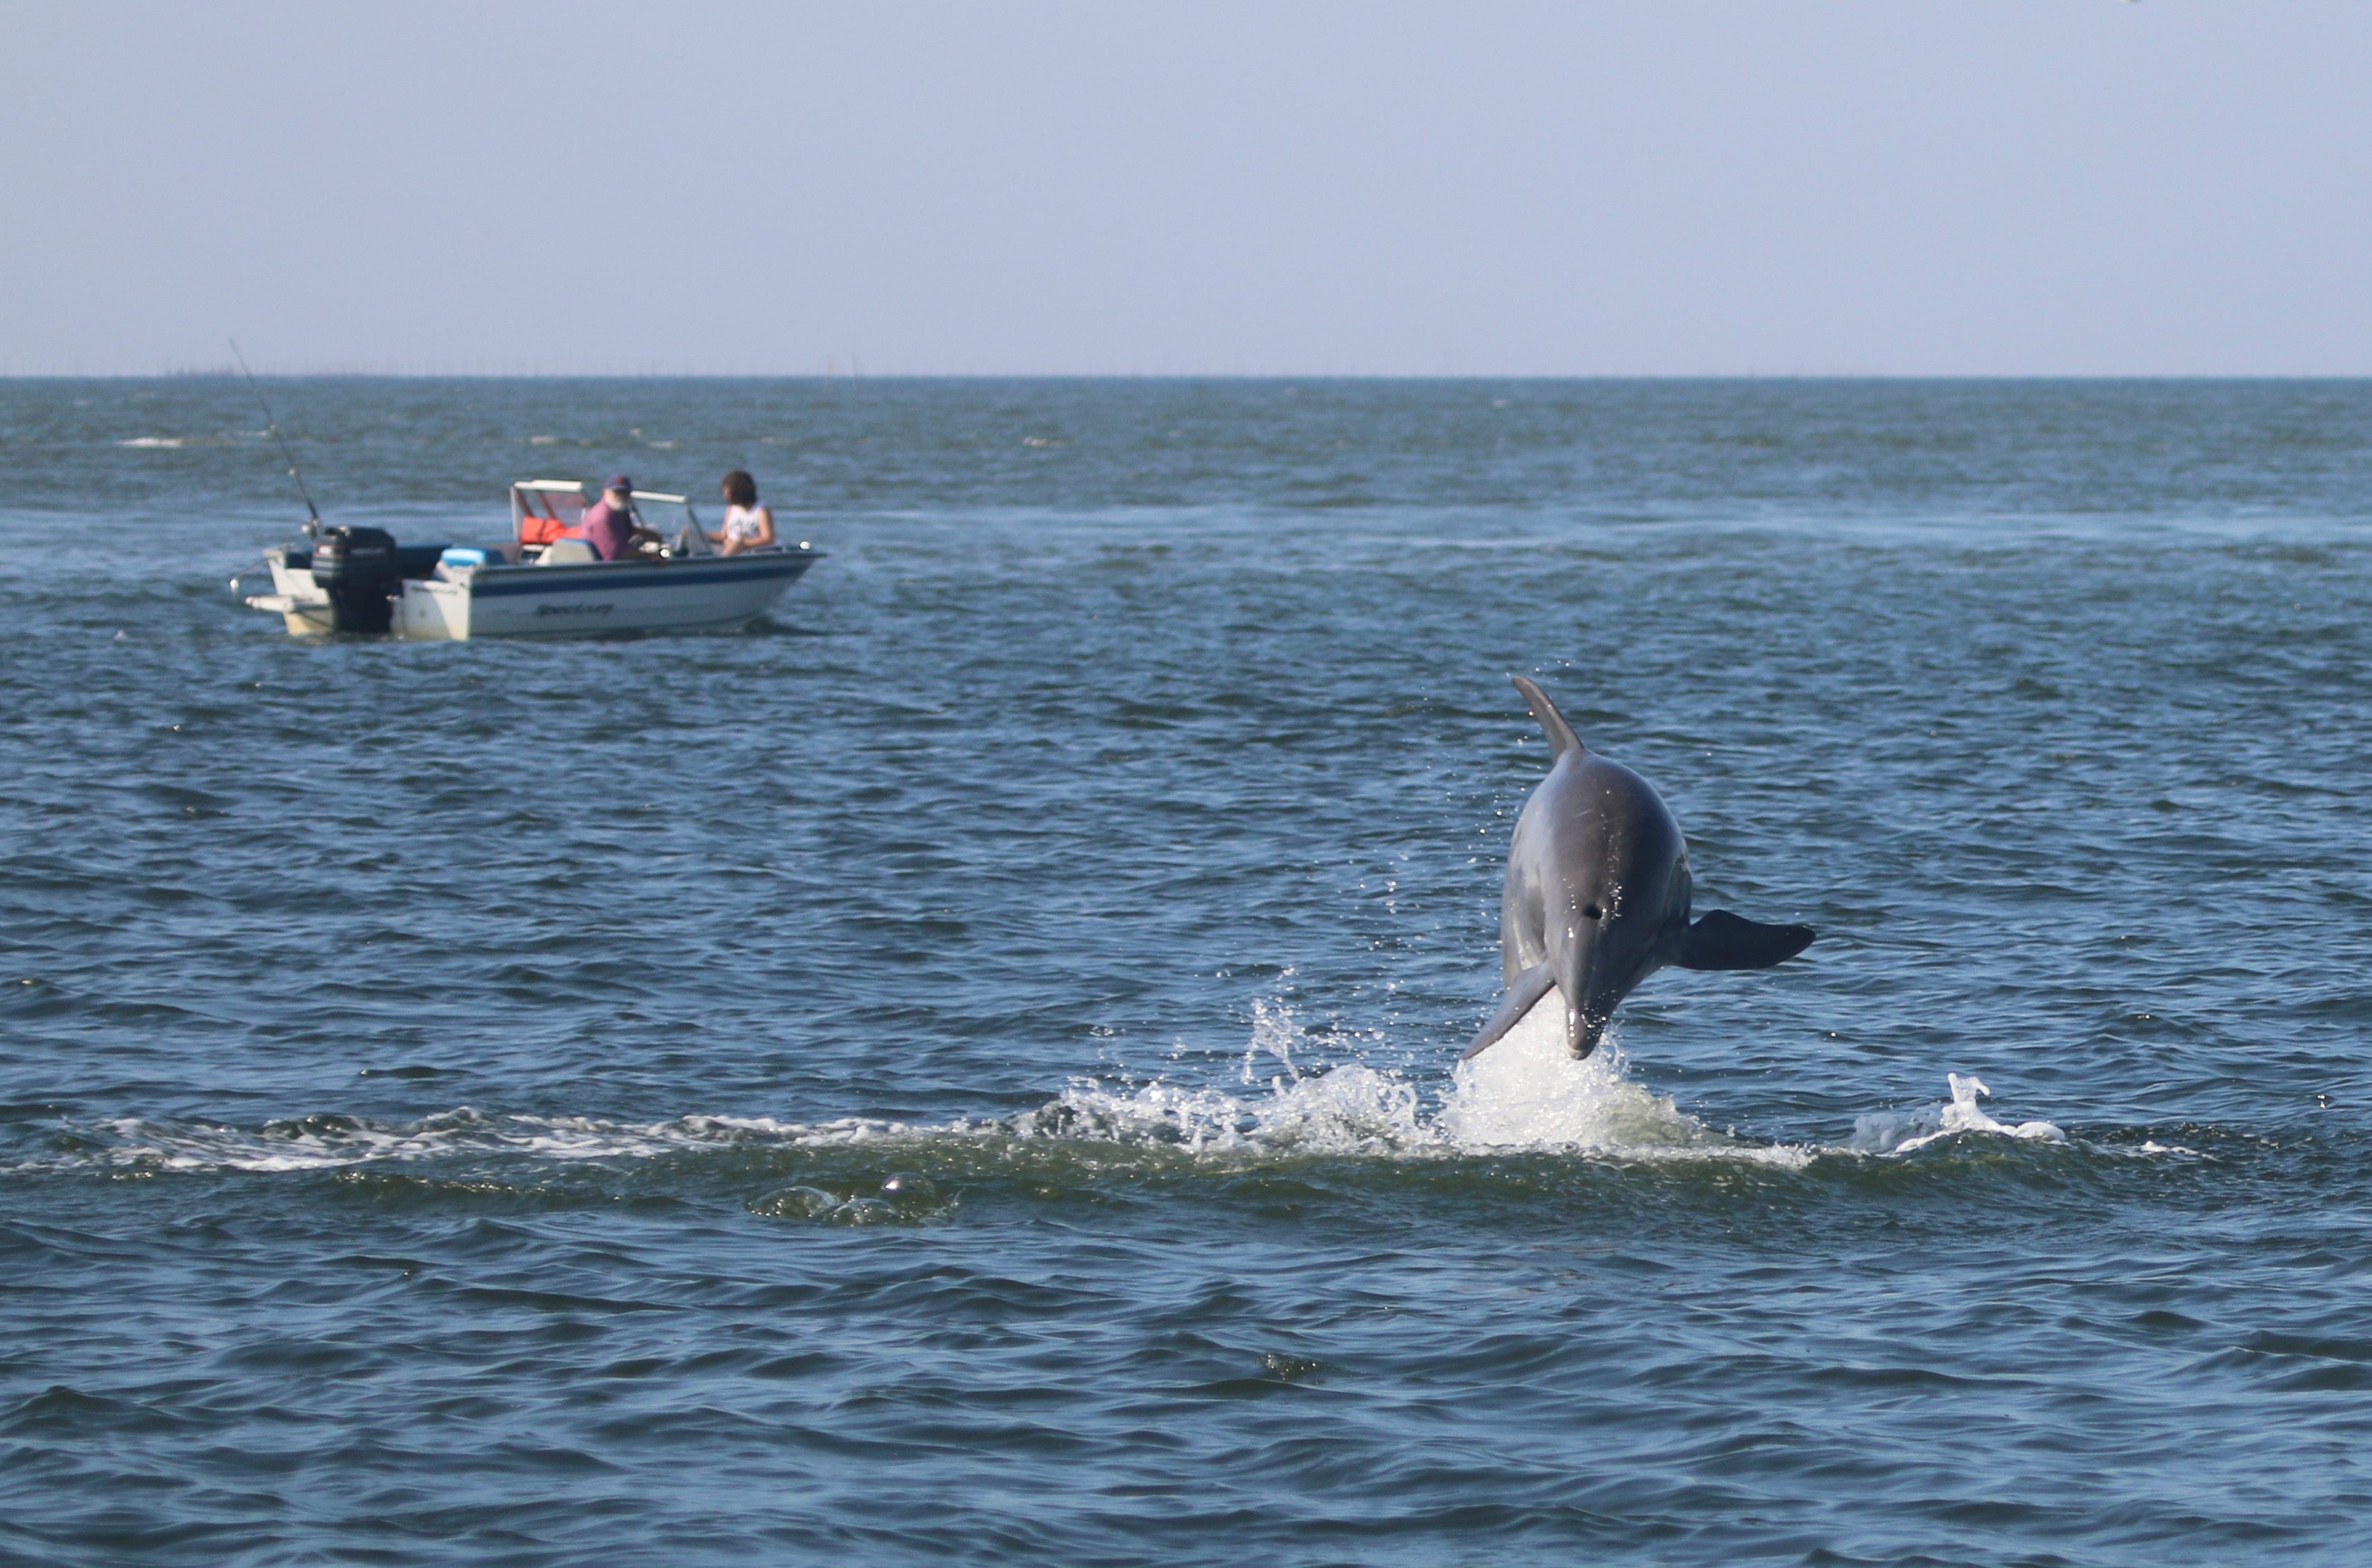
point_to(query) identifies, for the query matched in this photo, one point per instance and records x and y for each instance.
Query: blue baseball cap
(620, 482)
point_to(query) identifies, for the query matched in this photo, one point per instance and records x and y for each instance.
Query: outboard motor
(357, 568)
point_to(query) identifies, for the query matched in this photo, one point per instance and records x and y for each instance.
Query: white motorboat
(540, 583)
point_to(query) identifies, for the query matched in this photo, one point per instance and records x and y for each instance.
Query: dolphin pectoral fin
(1524, 993)
(1726, 941)
(1561, 735)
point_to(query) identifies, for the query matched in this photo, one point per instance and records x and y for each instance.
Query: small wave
(904, 1198)
(335, 1141)
(167, 441)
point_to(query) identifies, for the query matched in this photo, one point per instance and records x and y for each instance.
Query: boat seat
(568, 552)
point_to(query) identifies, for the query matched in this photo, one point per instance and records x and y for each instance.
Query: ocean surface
(965, 1070)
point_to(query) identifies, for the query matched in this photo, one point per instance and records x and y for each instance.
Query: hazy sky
(1655, 186)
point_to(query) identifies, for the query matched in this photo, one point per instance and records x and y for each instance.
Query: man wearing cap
(609, 525)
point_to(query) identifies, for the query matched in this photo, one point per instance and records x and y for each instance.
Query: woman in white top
(747, 525)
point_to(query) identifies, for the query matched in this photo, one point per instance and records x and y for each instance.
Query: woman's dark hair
(741, 489)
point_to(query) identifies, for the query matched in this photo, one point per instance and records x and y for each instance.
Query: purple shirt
(609, 530)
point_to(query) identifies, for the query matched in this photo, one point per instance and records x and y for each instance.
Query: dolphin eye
(1589, 912)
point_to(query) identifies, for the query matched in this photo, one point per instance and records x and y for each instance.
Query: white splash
(1526, 1091)
(165, 441)
(1900, 1132)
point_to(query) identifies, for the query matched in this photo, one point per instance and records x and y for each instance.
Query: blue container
(469, 555)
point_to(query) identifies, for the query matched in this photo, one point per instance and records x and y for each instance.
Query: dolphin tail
(1524, 993)
(1561, 735)
(1726, 941)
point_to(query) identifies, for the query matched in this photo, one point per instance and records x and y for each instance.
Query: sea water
(966, 1070)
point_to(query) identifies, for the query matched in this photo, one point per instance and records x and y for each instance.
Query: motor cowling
(357, 568)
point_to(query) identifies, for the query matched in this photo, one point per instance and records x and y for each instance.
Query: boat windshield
(543, 508)
(662, 513)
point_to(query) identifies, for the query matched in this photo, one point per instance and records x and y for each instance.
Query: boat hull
(604, 598)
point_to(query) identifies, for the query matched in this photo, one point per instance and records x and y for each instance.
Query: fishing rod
(272, 428)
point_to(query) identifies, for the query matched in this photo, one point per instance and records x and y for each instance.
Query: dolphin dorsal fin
(1561, 735)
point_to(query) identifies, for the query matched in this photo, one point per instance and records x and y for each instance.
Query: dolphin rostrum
(1596, 896)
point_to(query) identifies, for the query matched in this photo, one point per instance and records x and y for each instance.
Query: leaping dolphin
(1596, 897)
